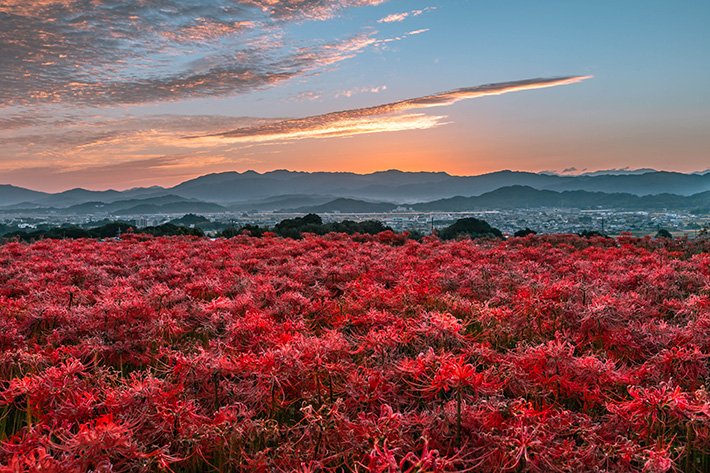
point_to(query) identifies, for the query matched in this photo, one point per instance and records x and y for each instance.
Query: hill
(303, 191)
(10, 195)
(346, 206)
(526, 197)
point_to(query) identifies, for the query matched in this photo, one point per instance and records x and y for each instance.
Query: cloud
(126, 174)
(84, 141)
(305, 96)
(101, 152)
(397, 17)
(59, 149)
(381, 118)
(17, 122)
(103, 52)
(359, 90)
(307, 9)
(401, 37)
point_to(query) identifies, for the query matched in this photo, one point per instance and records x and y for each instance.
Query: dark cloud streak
(377, 118)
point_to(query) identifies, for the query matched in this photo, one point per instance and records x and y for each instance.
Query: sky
(118, 94)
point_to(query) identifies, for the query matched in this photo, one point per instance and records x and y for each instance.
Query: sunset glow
(380, 118)
(104, 95)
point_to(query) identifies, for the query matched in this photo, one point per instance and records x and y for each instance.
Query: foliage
(524, 233)
(110, 230)
(367, 353)
(169, 229)
(190, 219)
(308, 224)
(312, 223)
(471, 227)
(592, 234)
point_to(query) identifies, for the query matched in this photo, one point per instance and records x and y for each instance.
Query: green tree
(471, 227)
(524, 233)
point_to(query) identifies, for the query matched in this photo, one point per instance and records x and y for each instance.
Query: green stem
(458, 419)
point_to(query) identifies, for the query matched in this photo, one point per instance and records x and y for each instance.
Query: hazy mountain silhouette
(10, 195)
(152, 205)
(286, 189)
(346, 206)
(281, 202)
(409, 187)
(516, 197)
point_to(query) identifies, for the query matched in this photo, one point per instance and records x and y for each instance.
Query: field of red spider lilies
(336, 353)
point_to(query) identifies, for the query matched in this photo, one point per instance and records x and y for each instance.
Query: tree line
(469, 227)
(288, 228)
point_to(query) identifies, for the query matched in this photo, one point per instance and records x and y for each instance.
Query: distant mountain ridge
(412, 187)
(516, 197)
(283, 189)
(346, 206)
(153, 205)
(10, 195)
(525, 197)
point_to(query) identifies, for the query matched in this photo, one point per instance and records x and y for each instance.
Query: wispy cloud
(394, 116)
(81, 138)
(360, 90)
(100, 152)
(305, 96)
(75, 141)
(394, 17)
(60, 149)
(397, 17)
(103, 52)
(401, 37)
(307, 9)
(126, 174)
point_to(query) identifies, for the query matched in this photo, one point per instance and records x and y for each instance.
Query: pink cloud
(395, 17)
(394, 116)
(398, 17)
(102, 52)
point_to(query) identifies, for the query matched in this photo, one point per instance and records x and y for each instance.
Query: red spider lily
(455, 373)
(657, 407)
(384, 460)
(659, 460)
(550, 353)
(36, 461)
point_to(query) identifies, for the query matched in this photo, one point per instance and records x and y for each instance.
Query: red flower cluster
(336, 353)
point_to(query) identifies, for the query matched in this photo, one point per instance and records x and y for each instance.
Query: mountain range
(376, 192)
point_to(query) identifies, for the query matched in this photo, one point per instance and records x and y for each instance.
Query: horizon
(585, 173)
(138, 95)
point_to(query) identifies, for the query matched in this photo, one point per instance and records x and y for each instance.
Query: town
(544, 221)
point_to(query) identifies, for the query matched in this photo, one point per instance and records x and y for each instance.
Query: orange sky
(98, 96)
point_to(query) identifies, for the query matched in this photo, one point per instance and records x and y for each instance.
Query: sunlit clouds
(394, 17)
(69, 66)
(74, 144)
(381, 118)
(122, 93)
(326, 126)
(105, 53)
(397, 17)
(306, 9)
(359, 90)
(168, 145)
